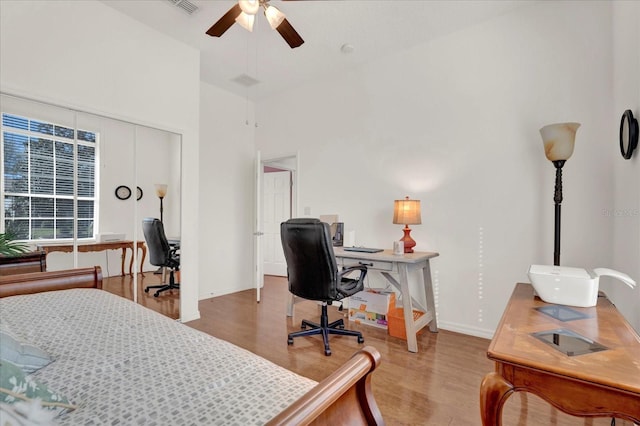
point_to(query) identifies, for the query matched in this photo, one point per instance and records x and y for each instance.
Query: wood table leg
(133, 254)
(494, 391)
(124, 254)
(144, 256)
(428, 294)
(407, 305)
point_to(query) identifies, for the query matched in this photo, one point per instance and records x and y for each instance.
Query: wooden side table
(596, 383)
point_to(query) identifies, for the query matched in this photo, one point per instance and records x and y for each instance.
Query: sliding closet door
(72, 179)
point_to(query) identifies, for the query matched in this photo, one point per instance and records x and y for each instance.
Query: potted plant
(9, 247)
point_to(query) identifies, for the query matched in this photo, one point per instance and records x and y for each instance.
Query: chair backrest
(159, 249)
(311, 264)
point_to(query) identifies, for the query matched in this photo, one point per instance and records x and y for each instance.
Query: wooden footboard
(36, 282)
(343, 398)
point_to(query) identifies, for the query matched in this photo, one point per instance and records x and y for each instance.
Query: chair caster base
(146, 290)
(289, 342)
(327, 352)
(360, 339)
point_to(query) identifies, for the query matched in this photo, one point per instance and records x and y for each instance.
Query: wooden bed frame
(345, 397)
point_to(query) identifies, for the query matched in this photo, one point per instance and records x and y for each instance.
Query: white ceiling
(375, 28)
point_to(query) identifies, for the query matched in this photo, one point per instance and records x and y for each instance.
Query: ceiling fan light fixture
(250, 7)
(246, 21)
(274, 16)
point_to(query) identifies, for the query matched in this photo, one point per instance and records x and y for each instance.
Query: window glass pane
(86, 136)
(41, 185)
(42, 207)
(18, 228)
(64, 228)
(14, 121)
(64, 177)
(16, 207)
(41, 229)
(63, 132)
(85, 228)
(64, 208)
(85, 209)
(40, 127)
(16, 166)
(64, 151)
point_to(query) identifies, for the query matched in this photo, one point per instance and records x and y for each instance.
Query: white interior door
(277, 209)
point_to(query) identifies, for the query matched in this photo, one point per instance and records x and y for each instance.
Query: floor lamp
(558, 142)
(161, 192)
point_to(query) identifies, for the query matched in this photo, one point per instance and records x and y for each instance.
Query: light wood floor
(437, 386)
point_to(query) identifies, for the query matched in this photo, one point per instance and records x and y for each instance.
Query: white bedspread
(123, 364)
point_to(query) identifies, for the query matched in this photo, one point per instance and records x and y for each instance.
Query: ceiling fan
(244, 13)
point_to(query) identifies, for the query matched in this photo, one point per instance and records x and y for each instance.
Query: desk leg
(133, 249)
(409, 325)
(124, 254)
(428, 294)
(144, 256)
(494, 391)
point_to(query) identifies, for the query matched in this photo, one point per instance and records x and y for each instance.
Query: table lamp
(407, 212)
(161, 192)
(558, 142)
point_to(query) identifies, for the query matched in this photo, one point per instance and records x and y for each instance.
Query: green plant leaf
(9, 247)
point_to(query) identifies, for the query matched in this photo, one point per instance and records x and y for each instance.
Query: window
(39, 171)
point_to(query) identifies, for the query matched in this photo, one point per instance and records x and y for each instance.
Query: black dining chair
(161, 253)
(313, 274)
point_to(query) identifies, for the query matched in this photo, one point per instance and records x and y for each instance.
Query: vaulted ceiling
(368, 30)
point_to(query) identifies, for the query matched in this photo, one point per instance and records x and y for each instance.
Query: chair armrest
(349, 286)
(349, 269)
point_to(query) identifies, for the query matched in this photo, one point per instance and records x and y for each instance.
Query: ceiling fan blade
(289, 34)
(224, 23)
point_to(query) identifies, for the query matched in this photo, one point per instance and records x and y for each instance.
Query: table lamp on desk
(407, 212)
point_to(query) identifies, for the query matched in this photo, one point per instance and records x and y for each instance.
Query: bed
(117, 362)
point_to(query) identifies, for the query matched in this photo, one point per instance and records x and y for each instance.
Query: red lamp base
(409, 243)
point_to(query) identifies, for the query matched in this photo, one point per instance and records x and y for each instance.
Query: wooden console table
(109, 245)
(597, 384)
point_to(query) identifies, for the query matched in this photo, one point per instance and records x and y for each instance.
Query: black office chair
(313, 274)
(160, 253)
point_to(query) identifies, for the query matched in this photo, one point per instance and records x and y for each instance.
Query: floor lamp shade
(559, 140)
(161, 192)
(407, 212)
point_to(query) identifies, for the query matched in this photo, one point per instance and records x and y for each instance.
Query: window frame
(33, 136)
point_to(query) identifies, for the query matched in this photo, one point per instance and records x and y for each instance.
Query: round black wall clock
(123, 192)
(139, 194)
(628, 134)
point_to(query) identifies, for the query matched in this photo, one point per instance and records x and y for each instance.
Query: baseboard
(465, 329)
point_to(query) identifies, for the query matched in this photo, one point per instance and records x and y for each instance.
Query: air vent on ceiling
(245, 80)
(185, 5)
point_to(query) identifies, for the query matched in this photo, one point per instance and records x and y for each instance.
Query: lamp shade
(250, 7)
(161, 189)
(274, 16)
(559, 140)
(407, 212)
(246, 21)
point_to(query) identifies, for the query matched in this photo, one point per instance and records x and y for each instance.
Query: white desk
(386, 263)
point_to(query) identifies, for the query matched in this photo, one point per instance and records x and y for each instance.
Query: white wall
(226, 192)
(87, 56)
(625, 214)
(455, 123)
